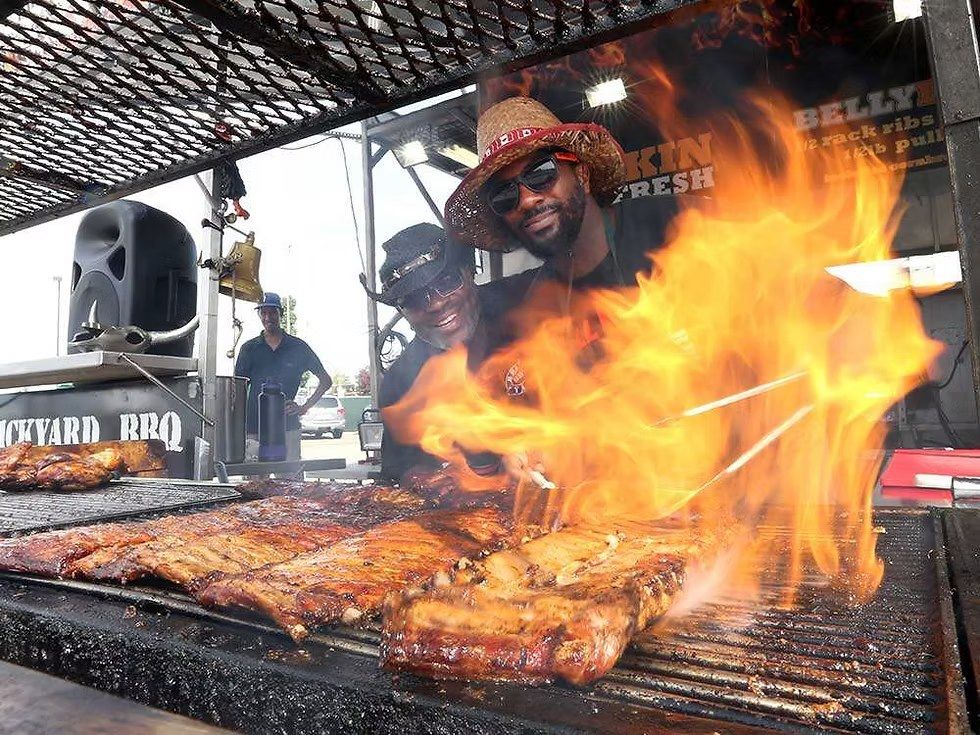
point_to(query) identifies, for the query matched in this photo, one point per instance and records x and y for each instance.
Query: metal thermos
(272, 423)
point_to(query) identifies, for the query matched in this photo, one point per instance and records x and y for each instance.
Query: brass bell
(241, 273)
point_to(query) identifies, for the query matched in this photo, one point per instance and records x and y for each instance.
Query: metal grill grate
(878, 669)
(37, 511)
(886, 668)
(99, 100)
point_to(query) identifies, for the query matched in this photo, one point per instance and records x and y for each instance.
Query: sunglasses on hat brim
(539, 176)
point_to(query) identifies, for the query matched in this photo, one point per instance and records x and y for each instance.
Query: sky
(301, 216)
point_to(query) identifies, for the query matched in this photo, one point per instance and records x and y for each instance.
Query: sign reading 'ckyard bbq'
(114, 411)
(58, 430)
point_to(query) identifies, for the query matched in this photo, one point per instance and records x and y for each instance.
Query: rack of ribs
(564, 605)
(15, 470)
(181, 548)
(348, 580)
(50, 554)
(429, 490)
(25, 467)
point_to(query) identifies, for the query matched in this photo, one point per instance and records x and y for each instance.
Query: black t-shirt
(496, 299)
(635, 228)
(285, 365)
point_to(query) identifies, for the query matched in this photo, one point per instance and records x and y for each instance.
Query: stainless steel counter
(89, 367)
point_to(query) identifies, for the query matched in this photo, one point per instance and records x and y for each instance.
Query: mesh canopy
(102, 99)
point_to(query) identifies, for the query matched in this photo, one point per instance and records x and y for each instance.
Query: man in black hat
(275, 355)
(430, 281)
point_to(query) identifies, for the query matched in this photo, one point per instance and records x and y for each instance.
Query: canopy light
(411, 154)
(906, 9)
(461, 155)
(922, 273)
(606, 93)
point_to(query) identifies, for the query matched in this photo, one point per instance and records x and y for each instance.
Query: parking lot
(347, 447)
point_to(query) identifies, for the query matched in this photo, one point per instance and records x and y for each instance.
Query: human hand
(294, 409)
(527, 467)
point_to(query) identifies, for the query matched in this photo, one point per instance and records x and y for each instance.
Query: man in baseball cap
(548, 187)
(430, 281)
(282, 358)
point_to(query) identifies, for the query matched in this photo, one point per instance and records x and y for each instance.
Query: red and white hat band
(507, 139)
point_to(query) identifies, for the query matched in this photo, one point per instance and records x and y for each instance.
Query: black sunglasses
(446, 284)
(539, 176)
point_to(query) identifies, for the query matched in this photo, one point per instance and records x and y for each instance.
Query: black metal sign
(108, 411)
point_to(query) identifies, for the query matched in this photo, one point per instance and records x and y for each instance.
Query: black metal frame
(99, 103)
(890, 667)
(952, 36)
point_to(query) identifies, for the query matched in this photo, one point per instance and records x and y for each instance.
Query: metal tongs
(539, 478)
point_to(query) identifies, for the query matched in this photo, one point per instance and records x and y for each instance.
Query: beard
(571, 212)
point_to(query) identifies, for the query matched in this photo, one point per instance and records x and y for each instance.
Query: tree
(363, 381)
(289, 315)
(341, 383)
(289, 321)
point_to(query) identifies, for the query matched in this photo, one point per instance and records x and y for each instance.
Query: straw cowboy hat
(510, 130)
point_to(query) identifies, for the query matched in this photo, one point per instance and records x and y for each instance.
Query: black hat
(414, 258)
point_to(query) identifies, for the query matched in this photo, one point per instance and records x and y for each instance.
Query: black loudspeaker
(140, 264)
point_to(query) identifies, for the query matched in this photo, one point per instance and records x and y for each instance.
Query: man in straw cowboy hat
(548, 186)
(430, 281)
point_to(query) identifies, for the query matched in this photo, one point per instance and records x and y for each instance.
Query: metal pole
(57, 317)
(289, 298)
(374, 360)
(207, 333)
(496, 266)
(952, 37)
(425, 195)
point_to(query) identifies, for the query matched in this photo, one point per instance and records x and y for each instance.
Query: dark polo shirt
(286, 364)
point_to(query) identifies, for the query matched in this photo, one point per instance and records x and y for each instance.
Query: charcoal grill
(124, 498)
(890, 667)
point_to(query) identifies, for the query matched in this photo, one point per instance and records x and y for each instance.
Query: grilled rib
(431, 490)
(561, 606)
(348, 580)
(50, 554)
(15, 470)
(183, 548)
(24, 467)
(68, 472)
(143, 455)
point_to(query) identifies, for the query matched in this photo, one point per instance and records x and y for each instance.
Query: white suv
(326, 417)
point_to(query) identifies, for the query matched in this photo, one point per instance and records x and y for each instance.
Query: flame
(772, 24)
(607, 55)
(740, 304)
(518, 84)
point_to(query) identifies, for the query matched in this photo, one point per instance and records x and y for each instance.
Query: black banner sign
(108, 411)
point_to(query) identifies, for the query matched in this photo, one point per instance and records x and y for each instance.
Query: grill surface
(879, 668)
(39, 511)
(886, 667)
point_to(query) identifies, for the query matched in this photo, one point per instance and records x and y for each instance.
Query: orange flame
(770, 23)
(740, 298)
(607, 55)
